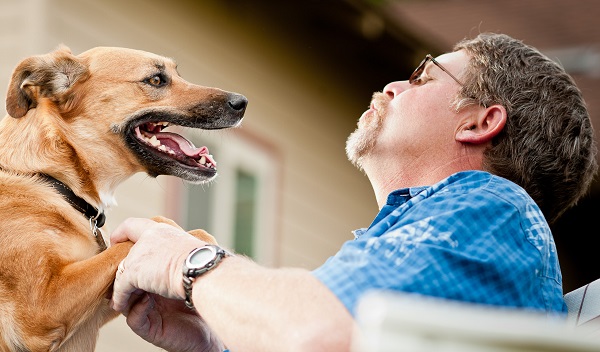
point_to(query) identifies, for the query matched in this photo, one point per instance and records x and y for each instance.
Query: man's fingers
(130, 230)
(122, 291)
(138, 318)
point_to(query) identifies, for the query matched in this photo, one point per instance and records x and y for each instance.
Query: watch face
(201, 257)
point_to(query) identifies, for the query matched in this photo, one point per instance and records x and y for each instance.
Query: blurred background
(286, 195)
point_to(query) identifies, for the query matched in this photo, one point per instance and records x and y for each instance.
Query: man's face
(410, 121)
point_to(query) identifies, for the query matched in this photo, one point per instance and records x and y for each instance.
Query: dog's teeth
(154, 141)
(203, 160)
(162, 148)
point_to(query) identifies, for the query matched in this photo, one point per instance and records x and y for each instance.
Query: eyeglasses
(419, 71)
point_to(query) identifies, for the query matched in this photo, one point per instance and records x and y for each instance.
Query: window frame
(236, 150)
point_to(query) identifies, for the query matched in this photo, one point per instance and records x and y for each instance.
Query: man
(439, 150)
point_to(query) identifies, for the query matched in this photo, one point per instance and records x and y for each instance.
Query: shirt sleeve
(472, 250)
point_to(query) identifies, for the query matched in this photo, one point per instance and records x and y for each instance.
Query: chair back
(396, 322)
(583, 305)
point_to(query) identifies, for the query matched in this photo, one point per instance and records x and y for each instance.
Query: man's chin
(357, 146)
(362, 141)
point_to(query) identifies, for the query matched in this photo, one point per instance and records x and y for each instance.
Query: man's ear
(483, 125)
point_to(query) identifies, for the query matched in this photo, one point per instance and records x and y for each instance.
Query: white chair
(584, 307)
(394, 322)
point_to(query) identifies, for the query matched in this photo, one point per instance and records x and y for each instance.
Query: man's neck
(388, 177)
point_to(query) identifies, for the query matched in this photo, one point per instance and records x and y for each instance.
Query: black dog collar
(96, 218)
(76, 202)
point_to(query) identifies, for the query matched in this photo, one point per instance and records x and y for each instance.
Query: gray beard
(362, 141)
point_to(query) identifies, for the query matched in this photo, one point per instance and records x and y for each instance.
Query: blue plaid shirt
(472, 237)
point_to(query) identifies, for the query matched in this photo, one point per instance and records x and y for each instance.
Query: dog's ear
(47, 76)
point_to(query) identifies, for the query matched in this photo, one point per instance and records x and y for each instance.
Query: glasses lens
(417, 73)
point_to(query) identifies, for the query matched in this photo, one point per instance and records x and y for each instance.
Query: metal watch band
(190, 274)
(187, 287)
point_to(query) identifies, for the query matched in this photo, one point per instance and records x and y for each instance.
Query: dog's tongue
(177, 142)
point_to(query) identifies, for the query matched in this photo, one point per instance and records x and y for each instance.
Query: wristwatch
(199, 261)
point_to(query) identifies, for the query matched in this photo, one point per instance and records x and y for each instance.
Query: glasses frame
(419, 70)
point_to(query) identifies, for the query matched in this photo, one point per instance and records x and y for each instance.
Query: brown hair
(547, 145)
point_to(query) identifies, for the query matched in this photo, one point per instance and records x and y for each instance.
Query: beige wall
(296, 108)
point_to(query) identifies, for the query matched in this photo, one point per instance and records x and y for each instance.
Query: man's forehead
(455, 57)
(456, 61)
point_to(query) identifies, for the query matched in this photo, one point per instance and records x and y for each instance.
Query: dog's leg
(90, 279)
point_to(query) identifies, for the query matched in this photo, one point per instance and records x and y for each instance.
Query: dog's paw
(167, 221)
(203, 235)
(198, 233)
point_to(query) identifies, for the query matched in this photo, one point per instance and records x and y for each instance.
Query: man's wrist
(199, 261)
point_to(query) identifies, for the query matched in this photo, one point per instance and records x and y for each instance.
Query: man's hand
(169, 324)
(154, 263)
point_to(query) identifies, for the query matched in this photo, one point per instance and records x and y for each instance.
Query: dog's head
(116, 103)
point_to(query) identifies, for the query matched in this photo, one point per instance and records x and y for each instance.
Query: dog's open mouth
(169, 153)
(174, 145)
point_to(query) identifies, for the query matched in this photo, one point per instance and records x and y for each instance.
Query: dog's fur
(75, 118)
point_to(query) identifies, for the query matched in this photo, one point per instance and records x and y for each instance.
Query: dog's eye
(156, 80)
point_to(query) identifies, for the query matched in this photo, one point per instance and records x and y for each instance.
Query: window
(245, 213)
(239, 207)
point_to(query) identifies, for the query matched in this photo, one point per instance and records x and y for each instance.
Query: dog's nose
(238, 102)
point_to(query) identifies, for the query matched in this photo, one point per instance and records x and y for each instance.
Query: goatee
(362, 141)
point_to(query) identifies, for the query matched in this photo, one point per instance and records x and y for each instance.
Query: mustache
(380, 102)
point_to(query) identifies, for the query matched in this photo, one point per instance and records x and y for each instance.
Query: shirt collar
(401, 196)
(394, 200)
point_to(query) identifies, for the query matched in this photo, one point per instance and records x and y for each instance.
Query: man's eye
(421, 79)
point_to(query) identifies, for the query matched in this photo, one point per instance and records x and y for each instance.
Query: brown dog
(77, 127)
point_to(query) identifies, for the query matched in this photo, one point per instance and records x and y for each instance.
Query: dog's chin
(168, 153)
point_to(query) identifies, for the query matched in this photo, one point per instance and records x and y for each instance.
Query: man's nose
(392, 89)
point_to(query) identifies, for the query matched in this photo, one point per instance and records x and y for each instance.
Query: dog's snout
(238, 102)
